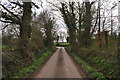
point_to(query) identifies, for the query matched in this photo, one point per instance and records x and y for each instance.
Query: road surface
(60, 65)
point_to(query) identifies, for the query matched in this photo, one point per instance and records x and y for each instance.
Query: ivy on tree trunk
(25, 29)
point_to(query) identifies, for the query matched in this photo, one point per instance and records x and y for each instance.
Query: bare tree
(24, 21)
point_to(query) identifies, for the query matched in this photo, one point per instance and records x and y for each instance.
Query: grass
(36, 63)
(102, 60)
(103, 66)
(92, 72)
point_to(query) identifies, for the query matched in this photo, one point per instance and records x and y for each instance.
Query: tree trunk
(69, 18)
(99, 27)
(25, 30)
(49, 37)
(118, 56)
(106, 38)
(72, 27)
(80, 25)
(87, 24)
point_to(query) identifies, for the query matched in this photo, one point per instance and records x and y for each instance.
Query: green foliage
(93, 73)
(112, 45)
(103, 66)
(104, 61)
(4, 47)
(62, 44)
(8, 48)
(25, 71)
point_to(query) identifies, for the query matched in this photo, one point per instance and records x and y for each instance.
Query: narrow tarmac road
(60, 65)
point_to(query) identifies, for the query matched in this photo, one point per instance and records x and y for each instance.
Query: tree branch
(9, 11)
(35, 5)
(5, 27)
(17, 3)
(11, 18)
(6, 21)
(92, 3)
(95, 24)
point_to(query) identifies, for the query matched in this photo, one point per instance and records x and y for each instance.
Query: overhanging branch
(11, 18)
(35, 5)
(6, 21)
(17, 3)
(10, 11)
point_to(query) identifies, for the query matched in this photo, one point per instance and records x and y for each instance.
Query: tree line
(86, 29)
(25, 36)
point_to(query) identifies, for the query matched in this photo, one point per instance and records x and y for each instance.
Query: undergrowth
(104, 61)
(92, 72)
(36, 63)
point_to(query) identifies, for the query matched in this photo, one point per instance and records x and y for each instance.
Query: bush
(26, 70)
(93, 73)
(62, 44)
(101, 60)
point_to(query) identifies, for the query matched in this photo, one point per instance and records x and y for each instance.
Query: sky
(108, 6)
(44, 5)
(119, 16)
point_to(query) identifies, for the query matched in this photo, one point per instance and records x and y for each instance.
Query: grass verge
(36, 63)
(91, 72)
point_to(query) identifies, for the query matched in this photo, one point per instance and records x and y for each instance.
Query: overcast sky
(107, 7)
(46, 6)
